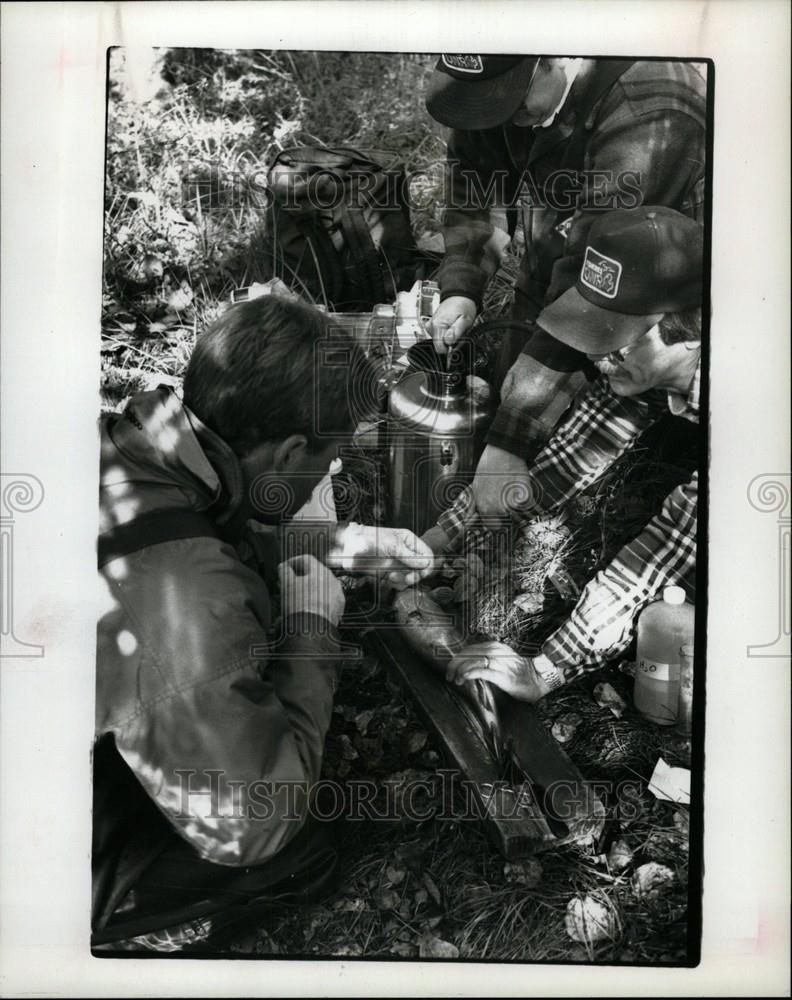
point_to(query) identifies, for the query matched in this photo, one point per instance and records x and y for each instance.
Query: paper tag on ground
(671, 784)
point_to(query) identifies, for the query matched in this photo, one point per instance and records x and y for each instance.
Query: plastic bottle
(663, 627)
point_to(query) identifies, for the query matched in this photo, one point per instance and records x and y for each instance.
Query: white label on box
(657, 671)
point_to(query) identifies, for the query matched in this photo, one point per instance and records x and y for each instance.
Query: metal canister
(437, 417)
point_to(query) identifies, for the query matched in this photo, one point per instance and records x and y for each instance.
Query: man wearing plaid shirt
(561, 140)
(636, 310)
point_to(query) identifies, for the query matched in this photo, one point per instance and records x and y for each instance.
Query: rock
(394, 875)
(682, 823)
(531, 603)
(589, 921)
(431, 946)
(527, 873)
(650, 879)
(388, 900)
(181, 298)
(607, 697)
(431, 888)
(619, 856)
(665, 845)
(350, 950)
(348, 752)
(416, 741)
(356, 905)
(363, 719)
(565, 727)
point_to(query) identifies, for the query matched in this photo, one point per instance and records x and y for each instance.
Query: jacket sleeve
(635, 157)
(479, 216)
(601, 626)
(228, 727)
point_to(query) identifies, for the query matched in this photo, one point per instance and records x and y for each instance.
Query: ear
(289, 454)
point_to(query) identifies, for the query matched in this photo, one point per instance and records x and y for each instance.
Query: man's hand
(501, 483)
(453, 317)
(397, 552)
(498, 663)
(309, 587)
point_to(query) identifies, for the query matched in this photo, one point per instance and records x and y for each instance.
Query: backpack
(339, 228)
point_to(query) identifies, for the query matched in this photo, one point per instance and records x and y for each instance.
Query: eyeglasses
(618, 356)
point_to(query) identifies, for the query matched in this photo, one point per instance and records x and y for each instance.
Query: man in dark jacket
(565, 140)
(210, 726)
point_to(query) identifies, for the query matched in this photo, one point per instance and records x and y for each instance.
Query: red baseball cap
(639, 264)
(477, 91)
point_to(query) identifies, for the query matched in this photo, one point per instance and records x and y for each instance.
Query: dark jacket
(625, 137)
(641, 141)
(200, 703)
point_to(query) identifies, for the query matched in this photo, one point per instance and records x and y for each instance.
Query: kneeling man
(635, 311)
(210, 728)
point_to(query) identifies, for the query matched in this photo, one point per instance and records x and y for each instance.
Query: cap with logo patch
(639, 264)
(478, 91)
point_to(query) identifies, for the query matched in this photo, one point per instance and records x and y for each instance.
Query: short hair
(677, 328)
(253, 375)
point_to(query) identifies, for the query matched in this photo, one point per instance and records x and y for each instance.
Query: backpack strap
(606, 73)
(152, 529)
(368, 271)
(320, 257)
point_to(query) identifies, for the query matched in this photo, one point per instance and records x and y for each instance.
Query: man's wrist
(548, 674)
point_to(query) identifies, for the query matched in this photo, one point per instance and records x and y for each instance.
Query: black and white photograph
(405, 641)
(402, 360)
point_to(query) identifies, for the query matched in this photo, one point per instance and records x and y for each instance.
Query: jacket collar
(687, 405)
(170, 456)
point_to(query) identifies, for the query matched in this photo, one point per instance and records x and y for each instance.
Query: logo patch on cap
(600, 273)
(464, 63)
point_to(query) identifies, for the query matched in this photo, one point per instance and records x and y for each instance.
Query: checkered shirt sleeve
(600, 429)
(601, 626)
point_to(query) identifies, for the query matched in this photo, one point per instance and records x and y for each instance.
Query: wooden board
(517, 827)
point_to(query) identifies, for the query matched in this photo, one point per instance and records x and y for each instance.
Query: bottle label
(655, 670)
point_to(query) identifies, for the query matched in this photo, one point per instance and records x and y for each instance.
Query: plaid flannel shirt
(646, 142)
(600, 429)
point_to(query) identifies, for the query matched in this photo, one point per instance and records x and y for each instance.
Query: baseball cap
(477, 91)
(638, 265)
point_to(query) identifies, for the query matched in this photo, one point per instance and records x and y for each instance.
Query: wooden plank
(517, 829)
(563, 792)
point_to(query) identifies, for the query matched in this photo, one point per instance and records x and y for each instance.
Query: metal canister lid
(674, 595)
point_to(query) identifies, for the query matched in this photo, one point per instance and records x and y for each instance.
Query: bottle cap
(674, 595)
